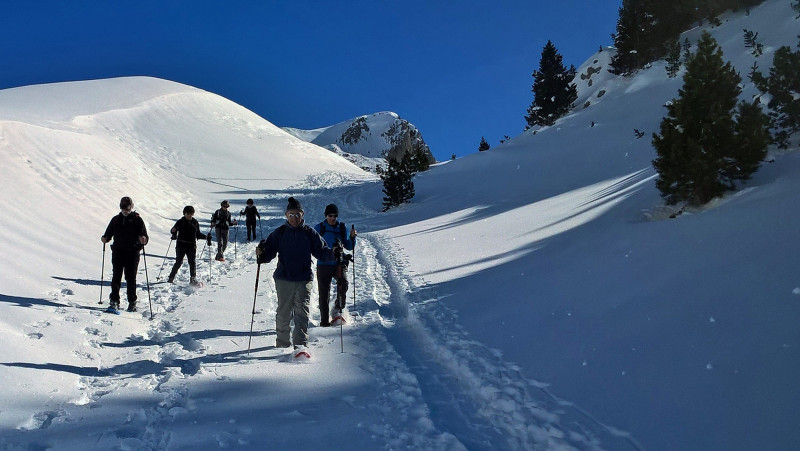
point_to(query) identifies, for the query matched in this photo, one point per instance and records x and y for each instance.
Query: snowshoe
(301, 353)
(337, 317)
(113, 310)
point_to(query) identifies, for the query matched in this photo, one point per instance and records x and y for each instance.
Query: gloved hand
(260, 255)
(173, 237)
(338, 249)
(208, 241)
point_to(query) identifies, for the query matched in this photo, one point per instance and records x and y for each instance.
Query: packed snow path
(408, 376)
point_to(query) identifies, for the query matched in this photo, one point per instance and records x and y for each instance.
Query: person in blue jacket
(293, 243)
(333, 231)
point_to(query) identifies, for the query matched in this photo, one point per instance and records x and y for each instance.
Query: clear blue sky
(456, 69)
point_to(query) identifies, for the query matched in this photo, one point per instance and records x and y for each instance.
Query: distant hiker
(250, 212)
(293, 243)
(186, 232)
(129, 233)
(333, 231)
(221, 221)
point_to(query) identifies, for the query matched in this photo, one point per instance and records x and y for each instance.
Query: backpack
(342, 230)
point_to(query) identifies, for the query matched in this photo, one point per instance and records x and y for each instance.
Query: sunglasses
(333, 216)
(294, 215)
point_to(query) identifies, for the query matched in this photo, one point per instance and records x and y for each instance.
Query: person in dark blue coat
(293, 243)
(333, 231)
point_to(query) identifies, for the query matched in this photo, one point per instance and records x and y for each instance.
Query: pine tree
(554, 93)
(483, 145)
(398, 185)
(673, 59)
(783, 87)
(701, 149)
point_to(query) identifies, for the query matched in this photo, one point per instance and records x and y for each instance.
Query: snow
(534, 296)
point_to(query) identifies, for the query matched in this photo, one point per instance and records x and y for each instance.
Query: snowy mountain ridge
(365, 140)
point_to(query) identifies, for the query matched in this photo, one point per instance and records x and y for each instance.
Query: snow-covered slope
(534, 296)
(86, 144)
(364, 140)
(682, 332)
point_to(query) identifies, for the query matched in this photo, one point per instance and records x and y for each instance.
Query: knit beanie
(294, 204)
(331, 209)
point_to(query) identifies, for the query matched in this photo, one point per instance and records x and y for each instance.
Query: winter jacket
(188, 232)
(221, 219)
(294, 247)
(126, 231)
(331, 233)
(250, 213)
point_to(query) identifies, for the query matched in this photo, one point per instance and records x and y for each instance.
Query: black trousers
(251, 227)
(190, 252)
(325, 275)
(127, 263)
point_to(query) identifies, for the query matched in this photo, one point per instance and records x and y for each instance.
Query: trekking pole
(209, 264)
(343, 304)
(253, 317)
(158, 277)
(235, 234)
(260, 228)
(147, 278)
(352, 228)
(102, 273)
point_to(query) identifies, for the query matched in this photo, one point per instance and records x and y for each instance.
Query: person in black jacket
(250, 212)
(293, 243)
(221, 221)
(186, 232)
(129, 233)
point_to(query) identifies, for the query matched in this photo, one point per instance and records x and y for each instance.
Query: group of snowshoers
(293, 244)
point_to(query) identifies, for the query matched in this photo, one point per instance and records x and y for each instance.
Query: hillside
(534, 296)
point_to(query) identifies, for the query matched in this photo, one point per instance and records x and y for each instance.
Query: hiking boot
(171, 279)
(131, 307)
(114, 305)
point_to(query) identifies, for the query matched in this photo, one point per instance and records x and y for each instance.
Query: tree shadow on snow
(146, 367)
(29, 302)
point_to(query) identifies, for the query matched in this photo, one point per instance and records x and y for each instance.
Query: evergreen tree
(646, 28)
(398, 185)
(483, 145)
(674, 59)
(752, 139)
(634, 31)
(701, 148)
(783, 87)
(554, 93)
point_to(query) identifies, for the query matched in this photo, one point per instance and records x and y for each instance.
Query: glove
(338, 249)
(208, 241)
(259, 255)
(173, 237)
